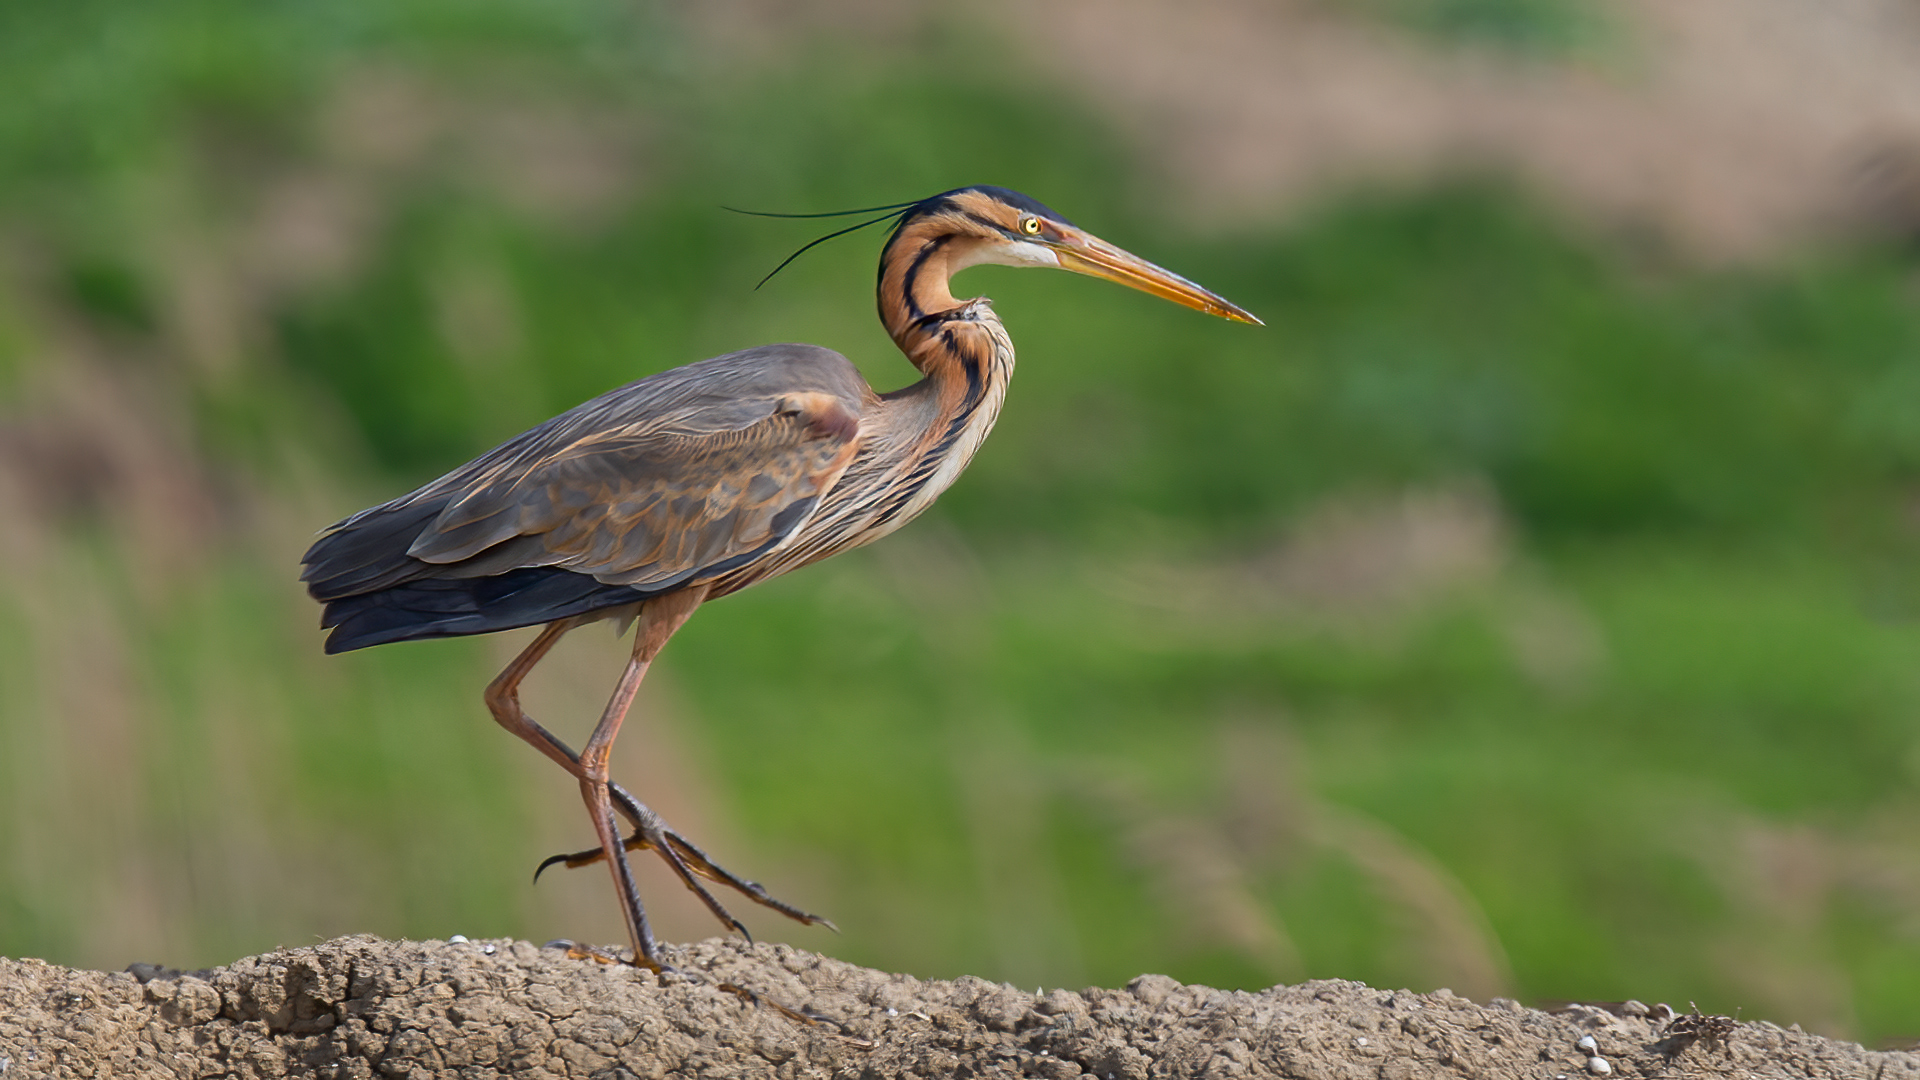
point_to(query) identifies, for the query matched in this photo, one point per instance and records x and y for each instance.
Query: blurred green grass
(1520, 611)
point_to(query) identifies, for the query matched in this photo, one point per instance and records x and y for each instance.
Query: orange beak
(1087, 254)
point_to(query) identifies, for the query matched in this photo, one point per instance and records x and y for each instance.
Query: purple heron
(678, 489)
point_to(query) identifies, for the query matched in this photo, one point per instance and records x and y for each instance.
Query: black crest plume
(892, 212)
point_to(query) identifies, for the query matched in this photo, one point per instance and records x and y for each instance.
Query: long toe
(687, 861)
(576, 860)
(576, 950)
(698, 861)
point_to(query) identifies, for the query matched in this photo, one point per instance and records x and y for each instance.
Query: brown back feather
(642, 486)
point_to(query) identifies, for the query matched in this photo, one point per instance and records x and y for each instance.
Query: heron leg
(503, 701)
(658, 621)
(650, 832)
(503, 698)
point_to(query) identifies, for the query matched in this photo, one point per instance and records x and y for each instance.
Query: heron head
(985, 224)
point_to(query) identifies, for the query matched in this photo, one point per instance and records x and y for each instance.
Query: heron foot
(577, 950)
(688, 862)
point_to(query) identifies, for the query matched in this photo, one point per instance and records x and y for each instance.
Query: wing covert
(655, 504)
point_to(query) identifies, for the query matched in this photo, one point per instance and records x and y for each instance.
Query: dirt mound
(361, 1007)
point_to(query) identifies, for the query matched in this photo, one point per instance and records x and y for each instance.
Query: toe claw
(546, 862)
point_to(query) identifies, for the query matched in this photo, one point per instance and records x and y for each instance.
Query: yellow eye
(1030, 226)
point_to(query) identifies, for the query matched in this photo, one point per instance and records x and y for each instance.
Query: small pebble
(1588, 1044)
(1598, 1066)
(457, 939)
(488, 949)
(891, 1011)
(1361, 1041)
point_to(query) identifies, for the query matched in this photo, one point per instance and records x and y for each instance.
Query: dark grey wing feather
(666, 481)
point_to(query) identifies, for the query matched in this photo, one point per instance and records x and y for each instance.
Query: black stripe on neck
(976, 377)
(911, 276)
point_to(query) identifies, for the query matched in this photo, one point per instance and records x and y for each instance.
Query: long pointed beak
(1090, 255)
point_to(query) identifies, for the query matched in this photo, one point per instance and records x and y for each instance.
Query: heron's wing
(677, 477)
(651, 505)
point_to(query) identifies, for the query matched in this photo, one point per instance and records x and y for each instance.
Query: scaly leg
(686, 860)
(503, 697)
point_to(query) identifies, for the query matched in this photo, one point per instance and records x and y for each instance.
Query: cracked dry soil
(364, 1007)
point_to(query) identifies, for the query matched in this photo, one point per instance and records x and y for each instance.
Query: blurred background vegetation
(1532, 608)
